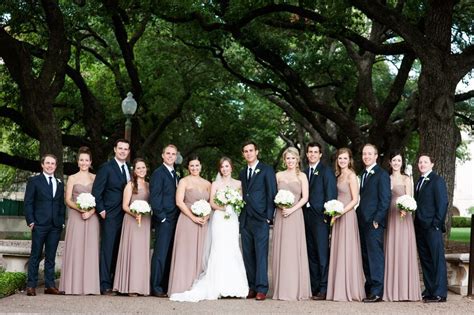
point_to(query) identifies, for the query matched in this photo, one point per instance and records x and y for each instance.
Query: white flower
(230, 199)
(333, 207)
(59, 181)
(284, 198)
(257, 171)
(372, 172)
(85, 201)
(316, 172)
(406, 203)
(201, 208)
(140, 207)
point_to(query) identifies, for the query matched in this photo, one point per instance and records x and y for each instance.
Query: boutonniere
(316, 172)
(427, 179)
(59, 181)
(257, 171)
(372, 172)
(178, 174)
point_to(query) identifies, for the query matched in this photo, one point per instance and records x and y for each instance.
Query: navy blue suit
(322, 188)
(375, 196)
(258, 194)
(432, 206)
(108, 192)
(47, 213)
(165, 216)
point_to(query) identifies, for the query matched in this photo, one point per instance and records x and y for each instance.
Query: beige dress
(402, 277)
(132, 274)
(346, 275)
(80, 261)
(189, 239)
(290, 268)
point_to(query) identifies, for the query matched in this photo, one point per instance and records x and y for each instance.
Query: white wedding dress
(224, 272)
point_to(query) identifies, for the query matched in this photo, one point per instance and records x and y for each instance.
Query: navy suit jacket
(108, 189)
(41, 208)
(375, 197)
(322, 188)
(432, 203)
(163, 194)
(258, 193)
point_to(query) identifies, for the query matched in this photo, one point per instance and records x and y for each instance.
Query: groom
(259, 190)
(375, 195)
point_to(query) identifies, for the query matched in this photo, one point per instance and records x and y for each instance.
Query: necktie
(250, 174)
(311, 171)
(124, 174)
(364, 177)
(50, 184)
(419, 183)
(173, 173)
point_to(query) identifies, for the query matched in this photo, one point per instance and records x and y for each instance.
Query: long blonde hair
(294, 151)
(351, 160)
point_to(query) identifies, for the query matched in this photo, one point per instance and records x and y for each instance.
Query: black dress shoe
(108, 292)
(435, 299)
(372, 299)
(252, 294)
(319, 297)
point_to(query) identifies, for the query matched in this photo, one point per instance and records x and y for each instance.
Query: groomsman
(108, 192)
(259, 190)
(44, 212)
(432, 205)
(163, 185)
(322, 188)
(375, 196)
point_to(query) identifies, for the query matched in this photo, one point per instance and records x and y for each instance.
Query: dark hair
(427, 155)
(193, 157)
(84, 150)
(249, 142)
(221, 161)
(314, 144)
(351, 160)
(134, 176)
(121, 140)
(393, 154)
(371, 145)
(48, 155)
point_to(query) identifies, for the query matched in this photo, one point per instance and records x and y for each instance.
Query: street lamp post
(129, 107)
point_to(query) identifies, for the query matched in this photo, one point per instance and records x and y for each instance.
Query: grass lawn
(460, 235)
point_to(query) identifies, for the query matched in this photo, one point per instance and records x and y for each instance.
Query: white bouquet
(85, 201)
(230, 199)
(201, 208)
(406, 203)
(284, 198)
(140, 207)
(333, 207)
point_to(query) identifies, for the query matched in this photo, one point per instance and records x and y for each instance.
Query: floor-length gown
(402, 277)
(80, 261)
(290, 272)
(132, 274)
(224, 275)
(346, 275)
(186, 260)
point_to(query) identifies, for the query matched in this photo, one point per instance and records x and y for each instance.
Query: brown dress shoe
(31, 291)
(252, 294)
(54, 291)
(260, 296)
(319, 297)
(160, 295)
(109, 292)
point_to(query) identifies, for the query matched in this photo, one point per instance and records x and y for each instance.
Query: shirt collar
(170, 169)
(427, 174)
(254, 166)
(119, 163)
(368, 169)
(48, 176)
(314, 166)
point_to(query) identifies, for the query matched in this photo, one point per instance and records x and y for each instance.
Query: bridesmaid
(402, 278)
(191, 230)
(346, 276)
(80, 264)
(132, 274)
(290, 270)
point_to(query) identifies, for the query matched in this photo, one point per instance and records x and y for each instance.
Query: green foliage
(471, 210)
(461, 222)
(460, 235)
(10, 282)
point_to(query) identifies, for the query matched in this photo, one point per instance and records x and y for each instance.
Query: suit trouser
(47, 236)
(433, 263)
(317, 243)
(373, 259)
(161, 260)
(255, 237)
(109, 246)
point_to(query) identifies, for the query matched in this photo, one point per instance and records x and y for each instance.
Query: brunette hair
(48, 155)
(221, 161)
(371, 145)
(121, 140)
(314, 144)
(351, 160)
(193, 157)
(134, 176)
(394, 154)
(246, 143)
(84, 150)
(427, 155)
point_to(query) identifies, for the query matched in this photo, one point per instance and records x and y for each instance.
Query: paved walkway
(20, 303)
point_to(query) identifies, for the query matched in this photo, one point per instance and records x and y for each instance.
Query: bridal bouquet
(201, 208)
(284, 198)
(230, 199)
(406, 203)
(140, 207)
(333, 208)
(85, 201)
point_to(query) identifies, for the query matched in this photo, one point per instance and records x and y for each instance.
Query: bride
(224, 272)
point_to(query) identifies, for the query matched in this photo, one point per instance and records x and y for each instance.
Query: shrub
(461, 222)
(10, 282)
